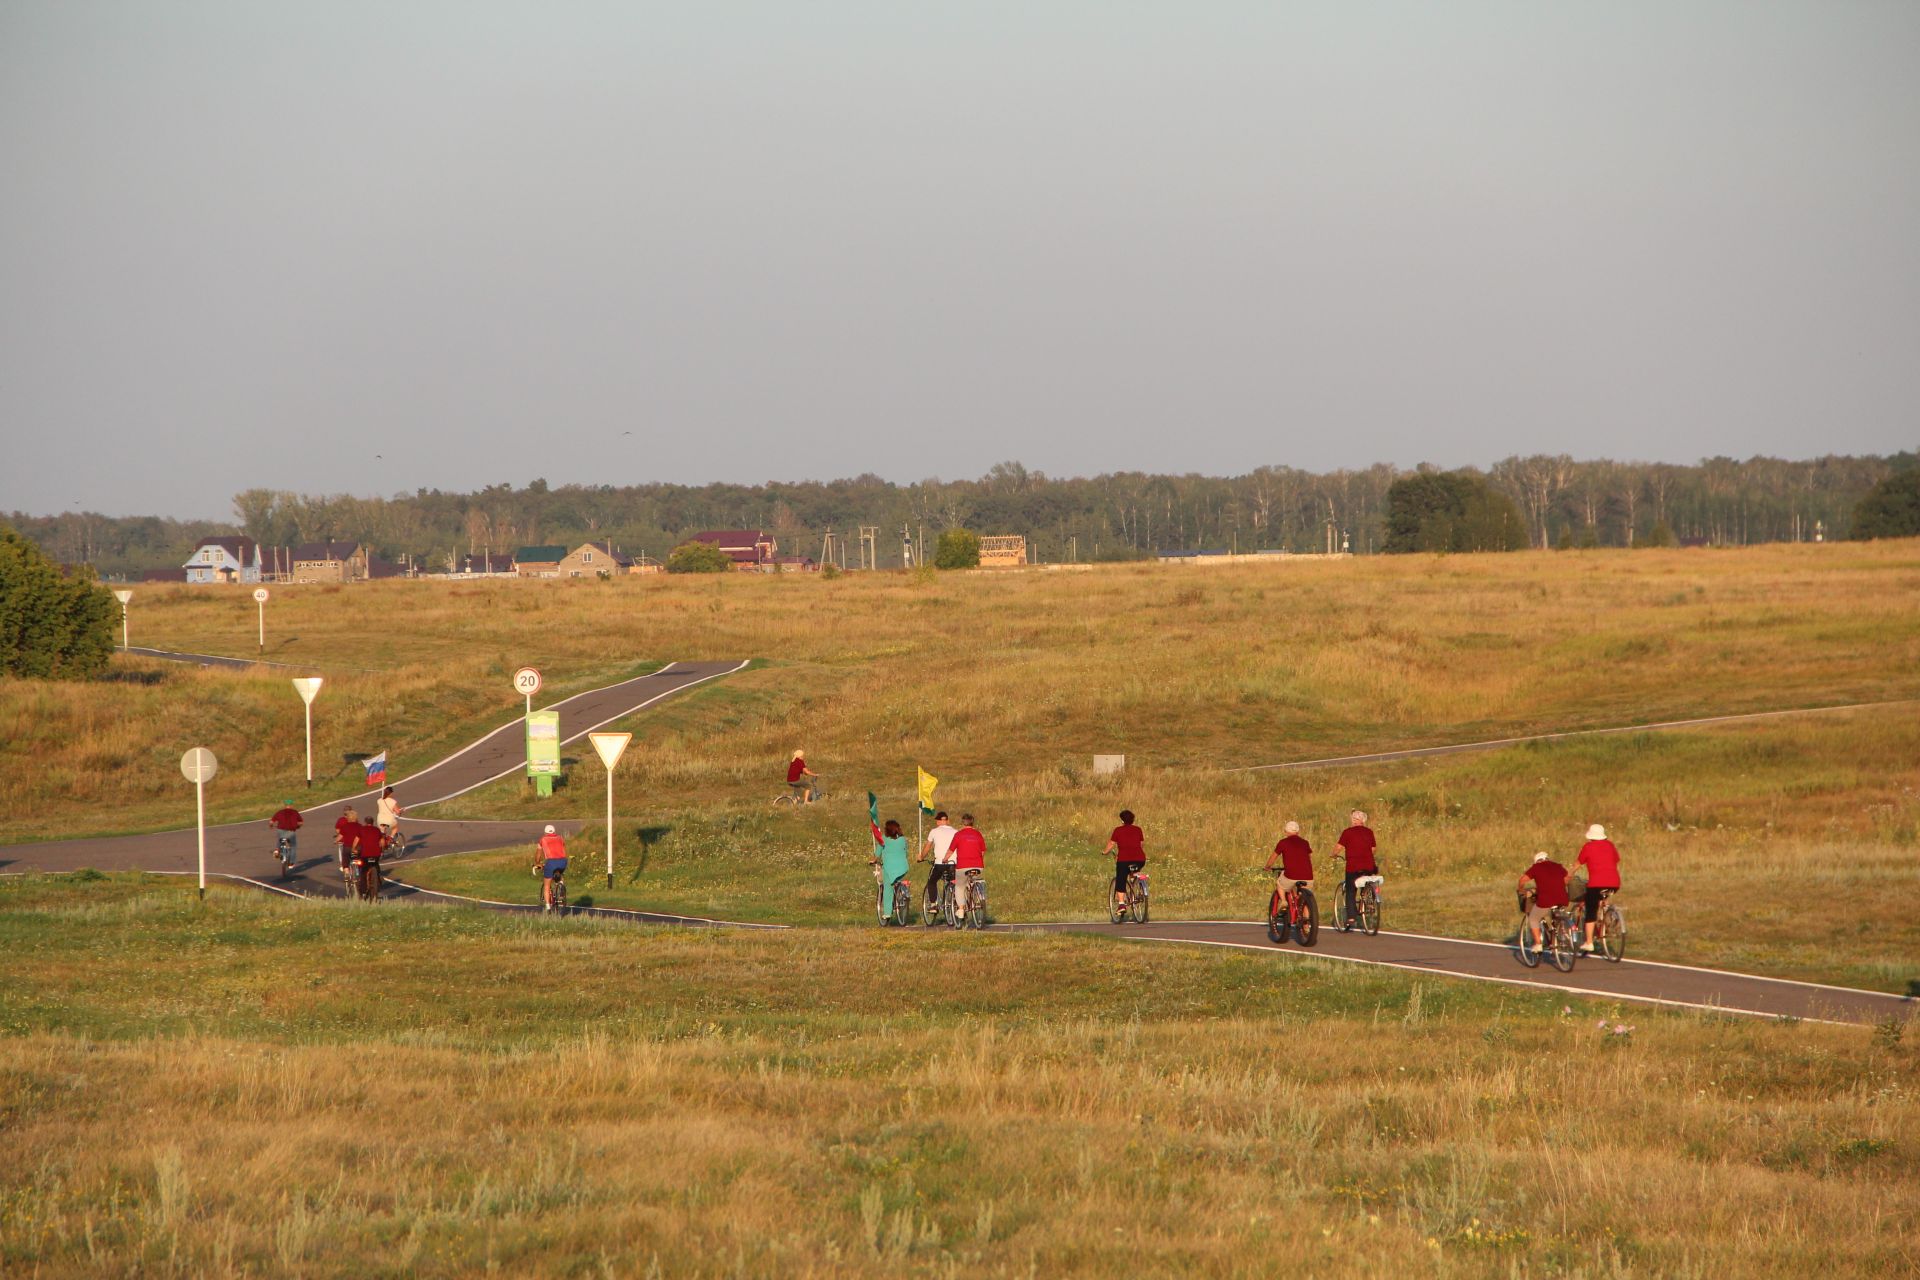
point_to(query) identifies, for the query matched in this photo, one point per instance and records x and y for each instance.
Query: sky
(369, 248)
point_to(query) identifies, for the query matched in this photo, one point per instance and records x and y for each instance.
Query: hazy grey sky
(258, 243)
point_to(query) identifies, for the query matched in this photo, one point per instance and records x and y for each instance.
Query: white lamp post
(610, 745)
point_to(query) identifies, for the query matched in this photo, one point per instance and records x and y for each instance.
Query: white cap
(549, 828)
(1541, 856)
(1293, 828)
(1596, 832)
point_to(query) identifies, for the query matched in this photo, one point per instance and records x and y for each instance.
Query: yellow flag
(927, 783)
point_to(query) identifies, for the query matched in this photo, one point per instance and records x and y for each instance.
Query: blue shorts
(554, 867)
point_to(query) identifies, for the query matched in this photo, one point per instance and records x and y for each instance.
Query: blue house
(224, 560)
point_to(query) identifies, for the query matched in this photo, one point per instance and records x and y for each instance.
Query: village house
(1002, 551)
(330, 561)
(538, 562)
(235, 559)
(749, 549)
(594, 559)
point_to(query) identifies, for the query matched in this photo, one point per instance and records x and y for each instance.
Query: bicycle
(1609, 929)
(557, 903)
(396, 843)
(938, 904)
(975, 915)
(1297, 912)
(1366, 906)
(1559, 937)
(1134, 906)
(283, 847)
(366, 878)
(794, 796)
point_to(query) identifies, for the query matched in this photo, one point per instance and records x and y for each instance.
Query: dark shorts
(1121, 870)
(941, 871)
(1592, 900)
(553, 867)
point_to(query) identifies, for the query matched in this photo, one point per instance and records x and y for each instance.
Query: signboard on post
(610, 746)
(260, 599)
(526, 683)
(123, 597)
(198, 767)
(543, 749)
(308, 687)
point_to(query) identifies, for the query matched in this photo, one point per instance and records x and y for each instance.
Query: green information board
(543, 745)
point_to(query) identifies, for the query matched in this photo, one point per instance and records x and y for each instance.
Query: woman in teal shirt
(891, 858)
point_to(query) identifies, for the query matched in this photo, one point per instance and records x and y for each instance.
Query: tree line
(1559, 501)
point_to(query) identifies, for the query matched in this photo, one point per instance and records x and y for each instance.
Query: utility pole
(869, 546)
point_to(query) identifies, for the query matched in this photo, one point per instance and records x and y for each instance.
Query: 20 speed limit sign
(526, 682)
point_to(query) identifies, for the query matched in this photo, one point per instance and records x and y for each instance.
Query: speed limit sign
(526, 682)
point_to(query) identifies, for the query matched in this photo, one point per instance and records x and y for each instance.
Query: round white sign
(198, 765)
(526, 682)
(260, 594)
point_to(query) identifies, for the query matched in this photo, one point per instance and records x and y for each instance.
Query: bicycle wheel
(1277, 919)
(1340, 921)
(1306, 930)
(977, 905)
(1369, 904)
(1613, 935)
(902, 903)
(1563, 949)
(785, 798)
(1137, 903)
(1528, 956)
(930, 905)
(1116, 910)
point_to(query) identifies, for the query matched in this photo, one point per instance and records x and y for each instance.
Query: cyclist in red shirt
(797, 775)
(1602, 862)
(969, 850)
(285, 823)
(1358, 844)
(346, 828)
(368, 843)
(1296, 860)
(1128, 846)
(553, 862)
(1548, 880)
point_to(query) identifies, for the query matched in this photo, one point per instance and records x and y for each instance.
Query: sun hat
(549, 828)
(1596, 832)
(1541, 856)
(1293, 828)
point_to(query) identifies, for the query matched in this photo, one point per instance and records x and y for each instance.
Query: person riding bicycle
(285, 824)
(1358, 844)
(389, 811)
(969, 850)
(553, 862)
(346, 829)
(891, 858)
(1296, 861)
(1602, 862)
(937, 848)
(369, 842)
(1127, 844)
(1544, 886)
(803, 791)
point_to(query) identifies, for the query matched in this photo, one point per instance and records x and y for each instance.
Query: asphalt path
(215, 660)
(244, 850)
(1638, 981)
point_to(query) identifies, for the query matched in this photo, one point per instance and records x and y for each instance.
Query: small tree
(957, 549)
(1891, 508)
(51, 627)
(1661, 535)
(1451, 512)
(698, 557)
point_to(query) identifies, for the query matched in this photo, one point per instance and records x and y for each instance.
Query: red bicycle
(1295, 912)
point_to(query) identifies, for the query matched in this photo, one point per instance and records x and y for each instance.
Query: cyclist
(389, 819)
(1602, 862)
(891, 858)
(1547, 880)
(368, 844)
(346, 829)
(1358, 844)
(797, 775)
(1128, 846)
(969, 850)
(553, 862)
(285, 824)
(1296, 861)
(937, 848)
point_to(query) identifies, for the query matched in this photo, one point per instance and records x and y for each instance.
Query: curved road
(243, 850)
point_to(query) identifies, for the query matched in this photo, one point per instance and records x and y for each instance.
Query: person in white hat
(553, 862)
(1602, 862)
(1546, 884)
(804, 792)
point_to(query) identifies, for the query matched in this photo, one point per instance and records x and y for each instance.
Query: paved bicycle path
(217, 660)
(1641, 981)
(245, 849)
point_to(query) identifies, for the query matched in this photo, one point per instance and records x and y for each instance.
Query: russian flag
(377, 770)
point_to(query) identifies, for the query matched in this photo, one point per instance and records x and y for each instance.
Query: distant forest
(1124, 515)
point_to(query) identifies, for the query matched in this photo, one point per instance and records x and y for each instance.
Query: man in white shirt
(938, 849)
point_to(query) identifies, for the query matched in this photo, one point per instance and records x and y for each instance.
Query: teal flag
(873, 808)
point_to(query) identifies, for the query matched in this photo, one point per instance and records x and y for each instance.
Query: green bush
(1451, 511)
(51, 626)
(957, 549)
(698, 557)
(1891, 508)
(1659, 536)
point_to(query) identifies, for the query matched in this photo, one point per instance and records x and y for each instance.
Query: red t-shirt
(1602, 862)
(1549, 884)
(371, 837)
(288, 819)
(969, 848)
(1296, 858)
(1359, 845)
(553, 847)
(796, 770)
(345, 829)
(1129, 843)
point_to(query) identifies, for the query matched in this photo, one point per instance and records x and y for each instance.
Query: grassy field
(252, 1087)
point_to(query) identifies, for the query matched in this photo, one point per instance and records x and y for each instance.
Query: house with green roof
(538, 562)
